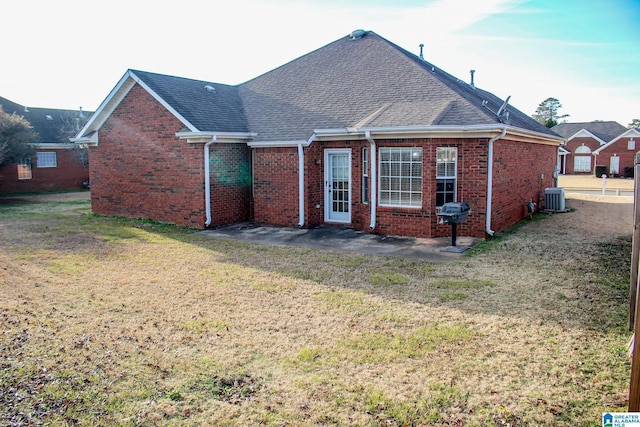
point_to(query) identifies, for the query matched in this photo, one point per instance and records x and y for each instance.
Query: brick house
(56, 164)
(358, 133)
(618, 155)
(591, 144)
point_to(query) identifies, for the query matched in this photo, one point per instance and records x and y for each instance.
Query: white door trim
(342, 211)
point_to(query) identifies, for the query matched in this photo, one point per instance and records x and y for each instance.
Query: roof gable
(207, 106)
(603, 131)
(201, 106)
(630, 134)
(349, 80)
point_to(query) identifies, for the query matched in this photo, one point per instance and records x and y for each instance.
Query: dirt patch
(47, 197)
(598, 216)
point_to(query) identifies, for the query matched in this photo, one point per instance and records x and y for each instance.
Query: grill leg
(454, 229)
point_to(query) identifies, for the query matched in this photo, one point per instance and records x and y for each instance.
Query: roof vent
(421, 47)
(210, 89)
(49, 117)
(472, 82)
(26, 109)
(357, 34)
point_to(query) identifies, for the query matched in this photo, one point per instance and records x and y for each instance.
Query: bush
(628, 172)
(601, 170)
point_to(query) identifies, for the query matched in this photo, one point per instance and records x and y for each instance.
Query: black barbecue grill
(454, 213)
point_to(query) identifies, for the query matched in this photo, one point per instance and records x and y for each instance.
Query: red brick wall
(620, 149)
(275, 186)
(518, 168)
(140, 169)
(575, 143)
(230, 179)
(68, 175)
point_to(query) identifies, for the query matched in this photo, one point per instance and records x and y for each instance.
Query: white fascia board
(53, 145)
(91, 139)
(115, 97)
(268, 144)
(474, 131)
(629, 133)
(117, 94)
(409, 132)
(583, 133)
(220, 137)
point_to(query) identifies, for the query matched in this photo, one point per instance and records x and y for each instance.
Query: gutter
(437, 131)
(372, 180)
(488, 229)
(207, 181)
(301, 185)
(301, 192)
(208, 138)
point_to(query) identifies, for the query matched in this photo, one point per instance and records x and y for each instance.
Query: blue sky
(70, 53)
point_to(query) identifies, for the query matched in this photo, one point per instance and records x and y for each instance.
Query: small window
(24, 169)
(631, 144)
(583, 149)
(47, 159)
(400, 180)
(446, 175)
(365, 175)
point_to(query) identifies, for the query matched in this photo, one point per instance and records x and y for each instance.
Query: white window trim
(365, 175)
(46, 155)
(25, 163)
(380, 178)
(579, 161)
(453, 177)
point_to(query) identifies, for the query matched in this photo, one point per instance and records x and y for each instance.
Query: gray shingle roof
(218, 109)
(362, 82)
(606, 131)
(52, 125)
(346, 81)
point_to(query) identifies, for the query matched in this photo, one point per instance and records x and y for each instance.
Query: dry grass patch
(114, 321)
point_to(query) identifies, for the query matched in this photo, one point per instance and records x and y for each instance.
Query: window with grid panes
(24, 169)
(446, 175)
(400, 177)
(365, 175)
(46, 159)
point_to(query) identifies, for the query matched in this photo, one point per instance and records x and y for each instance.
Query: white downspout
(490, 232)
(301, 184)
(207, 181)
(374, 187)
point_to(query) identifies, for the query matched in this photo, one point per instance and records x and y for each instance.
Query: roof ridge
(449, 80)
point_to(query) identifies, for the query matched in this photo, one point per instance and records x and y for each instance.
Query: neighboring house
(591, 144)
(56, 164)
(359, 133)
(617, 157)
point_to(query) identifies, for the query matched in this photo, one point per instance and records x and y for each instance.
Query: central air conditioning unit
(554, 199)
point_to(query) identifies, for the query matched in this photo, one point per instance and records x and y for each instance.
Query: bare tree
(72, 122)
